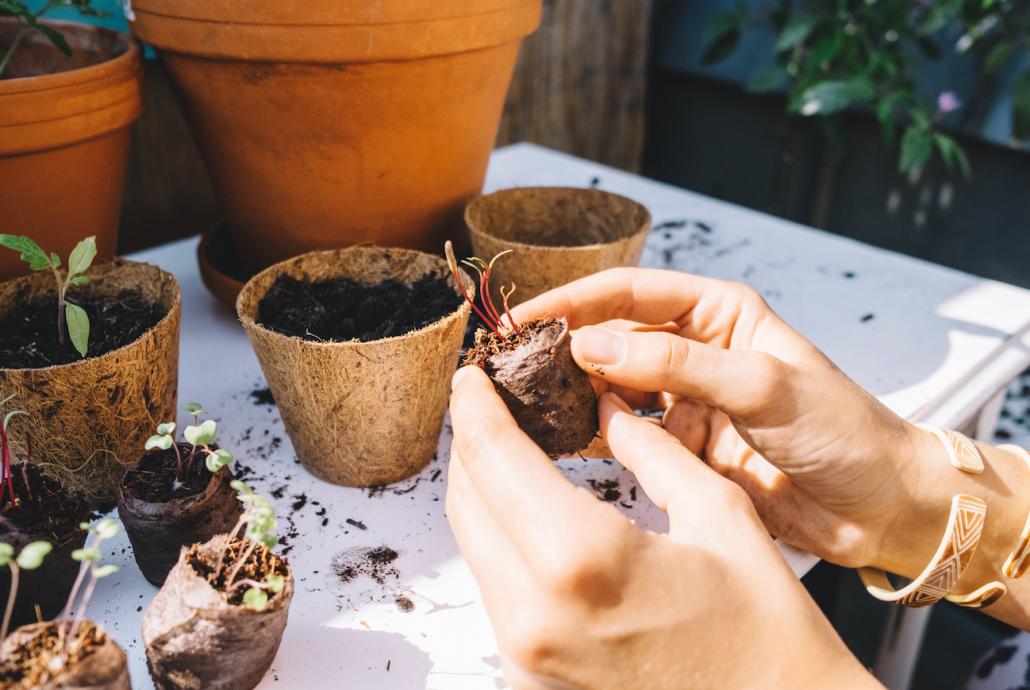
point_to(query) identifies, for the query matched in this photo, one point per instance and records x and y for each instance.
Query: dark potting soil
(154, 479)
(42, 506)
(259, 564)
(487, 344)
(375, 563)
(28, 665)
(262, 396)
(29, 338)
(341, 309)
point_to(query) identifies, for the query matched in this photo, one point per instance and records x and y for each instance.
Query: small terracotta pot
(329, 123)
(556, 235)
(196, 639)
(105, 669)
(65, 126)
(359, 413)
(159, 530)
(92, 417)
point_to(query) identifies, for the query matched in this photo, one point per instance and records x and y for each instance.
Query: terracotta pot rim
(284, 267)
(239, 38)
(643, 227)
(114, 265)
(127, 62)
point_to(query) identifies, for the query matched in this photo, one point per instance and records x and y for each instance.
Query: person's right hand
(826, 464)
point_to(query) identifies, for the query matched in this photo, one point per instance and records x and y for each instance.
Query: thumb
(744, 384)
(675, 479)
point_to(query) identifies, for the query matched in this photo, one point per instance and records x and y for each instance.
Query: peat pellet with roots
(549, 396)
(197, 640)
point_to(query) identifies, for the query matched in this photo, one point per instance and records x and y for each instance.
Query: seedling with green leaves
(199, 435)
(259, 529)
(90, 572)
(29, 20)
(30, 558)
(70, 316)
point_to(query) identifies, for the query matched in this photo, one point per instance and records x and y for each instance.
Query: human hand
(579, 597)
(827, 465)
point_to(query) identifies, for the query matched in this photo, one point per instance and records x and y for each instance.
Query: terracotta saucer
(220, 268)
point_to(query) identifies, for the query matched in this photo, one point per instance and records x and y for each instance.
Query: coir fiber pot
(64, 137)
(329, 123)
(196, 639)
(360, 413)
(104, 667)
(44, 511)
(158, 529)
(556, 235)
(92, 417)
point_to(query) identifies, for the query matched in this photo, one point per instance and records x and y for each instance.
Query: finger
(647, 296)
(687, 420)
(539, 510)
(673, 477)
(495, 563)
(745, 384)
(598, 447)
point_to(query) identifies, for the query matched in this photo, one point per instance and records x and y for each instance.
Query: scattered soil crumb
(375, 563)
(606, 490)
(262, 396)
(404, 604)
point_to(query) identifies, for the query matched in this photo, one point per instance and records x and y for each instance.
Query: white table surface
(931, 342)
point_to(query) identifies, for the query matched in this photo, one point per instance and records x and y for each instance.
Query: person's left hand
(579, 597)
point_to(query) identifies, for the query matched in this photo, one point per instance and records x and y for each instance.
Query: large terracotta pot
(332, 122)
(64, 137)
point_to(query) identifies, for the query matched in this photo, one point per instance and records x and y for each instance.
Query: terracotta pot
(92, 417)
(555, 234)
(359, 413)
(64, 137)
(329, 123)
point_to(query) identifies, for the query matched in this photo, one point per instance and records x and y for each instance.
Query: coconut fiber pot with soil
(35, 508)
(66, 123)
(531, 365)
(556, 234)
(358, 346)
(178, 494)
(326, 123)
(91, 356)
(219, 618)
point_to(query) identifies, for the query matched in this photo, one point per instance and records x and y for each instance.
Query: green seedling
(90, 572)
(199, 435)
(259, 528)
(70, 316)
(30, 558)
(28, 21)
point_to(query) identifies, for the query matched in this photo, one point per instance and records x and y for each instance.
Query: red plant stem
(5, 468)
(488, 298)
(493, 327)
(507, 311)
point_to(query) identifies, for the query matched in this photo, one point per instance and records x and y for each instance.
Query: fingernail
(600, 346)
(461, 373)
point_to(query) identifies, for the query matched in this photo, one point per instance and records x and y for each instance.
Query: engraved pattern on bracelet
(962, 451)
(1018, 562)
(961, 537)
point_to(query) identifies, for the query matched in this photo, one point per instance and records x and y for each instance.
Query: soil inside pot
(42, 507)
(29, 338)
(154, 479)
(342, 309)
(37, 55)
(28, 665)
(549, 396)
(259, 564)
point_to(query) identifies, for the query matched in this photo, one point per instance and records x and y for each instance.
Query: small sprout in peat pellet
(30, 558)
(489, 312)
(259, 525)
(69, 314)
(6, 471)
(200, 435)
